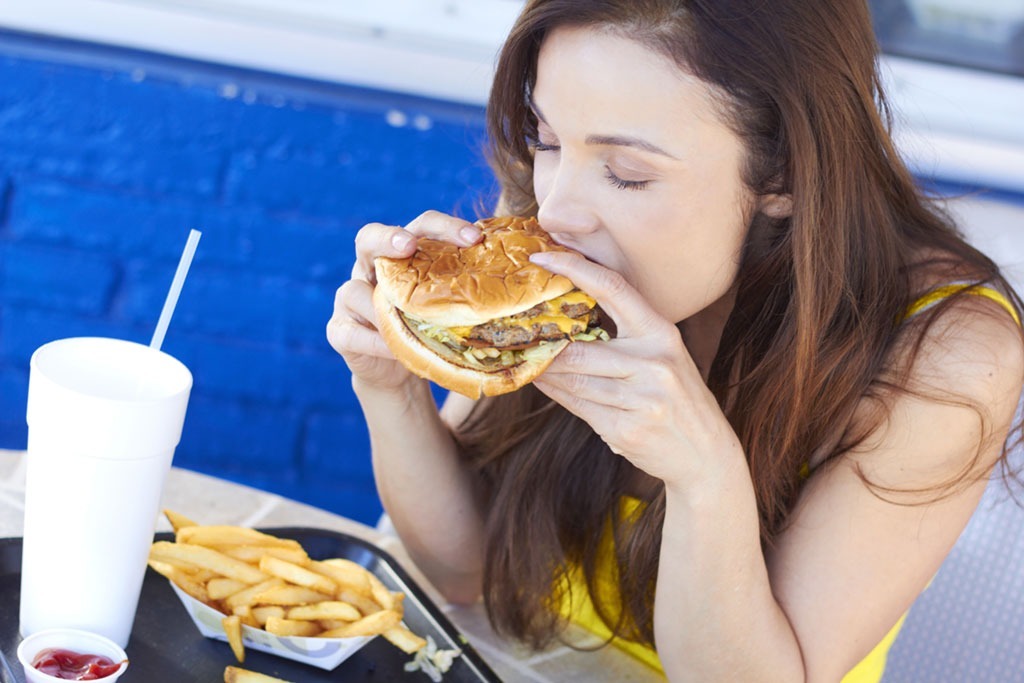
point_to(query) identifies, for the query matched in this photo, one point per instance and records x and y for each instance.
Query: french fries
(258, 580)
(233, 629)
(233, 674)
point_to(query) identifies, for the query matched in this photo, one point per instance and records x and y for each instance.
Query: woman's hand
(352, 330)
(641, 392)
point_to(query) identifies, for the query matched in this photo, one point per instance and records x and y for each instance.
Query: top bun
(452, 286)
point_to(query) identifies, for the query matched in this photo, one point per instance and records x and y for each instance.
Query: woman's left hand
(641, 391)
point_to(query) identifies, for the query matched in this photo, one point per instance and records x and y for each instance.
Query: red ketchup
(74, 666)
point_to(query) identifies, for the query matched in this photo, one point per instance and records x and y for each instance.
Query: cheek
(690, 262)
(543, 175)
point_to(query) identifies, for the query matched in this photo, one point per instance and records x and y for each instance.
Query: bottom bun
(446, 367)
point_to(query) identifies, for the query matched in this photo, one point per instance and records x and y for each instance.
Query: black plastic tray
(166, 647)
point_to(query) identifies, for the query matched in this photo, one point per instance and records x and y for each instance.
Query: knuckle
(367, 235)
(342, 335)
(656, 412)
(612, 283)
(631, 435)
(575, 383)
(662, 372)
(346, 295)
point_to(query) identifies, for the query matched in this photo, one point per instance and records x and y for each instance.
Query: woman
(812, 374)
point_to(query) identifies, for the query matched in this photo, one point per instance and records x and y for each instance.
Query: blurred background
(279, 127)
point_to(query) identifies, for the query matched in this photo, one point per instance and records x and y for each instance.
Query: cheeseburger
(481, 319)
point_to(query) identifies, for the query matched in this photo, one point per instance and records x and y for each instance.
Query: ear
(775, 205)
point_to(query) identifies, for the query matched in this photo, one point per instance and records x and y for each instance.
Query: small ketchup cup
(82, 642)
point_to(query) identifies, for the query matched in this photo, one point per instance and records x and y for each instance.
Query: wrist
(395, 400)
(720, 477)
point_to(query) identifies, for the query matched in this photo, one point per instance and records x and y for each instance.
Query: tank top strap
(936, 295)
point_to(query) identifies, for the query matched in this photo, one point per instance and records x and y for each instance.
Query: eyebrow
(614, 140)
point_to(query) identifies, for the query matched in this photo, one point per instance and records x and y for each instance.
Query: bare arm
(430, 498)
(851, 562)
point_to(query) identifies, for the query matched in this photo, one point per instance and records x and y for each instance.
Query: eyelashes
(613, 180)
(541, 147)
(618, 182)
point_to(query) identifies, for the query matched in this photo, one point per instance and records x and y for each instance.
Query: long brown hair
(820, 293)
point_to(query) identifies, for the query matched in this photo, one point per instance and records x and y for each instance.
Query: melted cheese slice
(552, 314)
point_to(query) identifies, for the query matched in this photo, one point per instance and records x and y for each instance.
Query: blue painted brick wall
(108, 157)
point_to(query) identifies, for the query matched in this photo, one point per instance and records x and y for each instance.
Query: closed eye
(622, 184)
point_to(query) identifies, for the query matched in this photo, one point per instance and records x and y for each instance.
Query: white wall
(438, 48)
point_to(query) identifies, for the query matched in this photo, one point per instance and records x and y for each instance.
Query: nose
(564, 211)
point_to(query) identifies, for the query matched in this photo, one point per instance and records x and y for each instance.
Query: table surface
(210, 500)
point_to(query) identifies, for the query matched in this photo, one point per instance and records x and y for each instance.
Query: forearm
(716, 618)
(428, 494)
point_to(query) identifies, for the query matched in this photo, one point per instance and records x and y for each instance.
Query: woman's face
(636, 169)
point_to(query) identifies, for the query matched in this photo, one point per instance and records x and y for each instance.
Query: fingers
(377, 239)
(633, 316)
(355, 299)
(576, 391)
(352, 327)
(439, 226)
(349, 338)
(604, 359)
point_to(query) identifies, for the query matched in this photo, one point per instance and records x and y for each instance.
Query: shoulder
(969, 345)
(948, 399)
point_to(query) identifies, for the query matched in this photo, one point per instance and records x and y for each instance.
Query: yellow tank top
(578, 607)
(577, 604)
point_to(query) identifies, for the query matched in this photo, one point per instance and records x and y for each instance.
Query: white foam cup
(104, 417)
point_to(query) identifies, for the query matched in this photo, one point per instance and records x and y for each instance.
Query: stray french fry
(233, 674)
(300, 576)
(206, 558)
(376, 623)
(233, 630)
(404, 639)
(178, 521)
(325, 610)
(289, 627)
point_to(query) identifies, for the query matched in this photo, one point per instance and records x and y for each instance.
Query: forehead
(593, 76)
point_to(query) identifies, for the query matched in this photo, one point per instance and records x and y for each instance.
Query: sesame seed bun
(446, 286)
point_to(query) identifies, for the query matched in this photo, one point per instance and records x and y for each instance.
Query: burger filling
(505, 342)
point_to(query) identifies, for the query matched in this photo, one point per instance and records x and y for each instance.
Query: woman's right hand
(352, 330)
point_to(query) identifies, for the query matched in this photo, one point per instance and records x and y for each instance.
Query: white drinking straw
(172, 294)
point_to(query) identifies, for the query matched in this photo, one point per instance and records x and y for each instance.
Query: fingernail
(541, 258)
(401, 240)
(469, 235)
